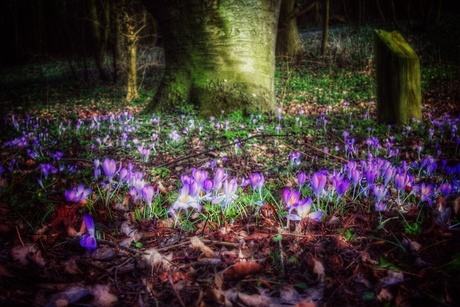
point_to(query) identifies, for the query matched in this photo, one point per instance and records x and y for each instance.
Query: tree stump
(399, 95)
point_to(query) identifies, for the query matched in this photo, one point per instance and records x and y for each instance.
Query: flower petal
(89, 222)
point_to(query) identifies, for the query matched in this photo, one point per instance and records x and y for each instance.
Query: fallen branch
(220, 147)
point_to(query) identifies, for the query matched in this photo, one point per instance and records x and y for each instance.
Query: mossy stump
(399, 95)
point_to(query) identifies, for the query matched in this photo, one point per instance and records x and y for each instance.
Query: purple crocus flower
(301, 209)
(356, 176)
(229, 195)
(291, 198)
(316, 216)
(124, 173)
(200, 176)
(109, 166)
(194, 190)
(257, 181)
(430, 164)
(318, 182)
(138, 185)
(212, 164)
(32, 153)
(402, 181)
(426, 193)
(47, 169)
(341, 186)
(147, 193)
(57, 155)
(186, 179)
(388, 174)
(380, 206)
(88, 240)
(301, 179)
(445, 189)
(76, 195)
(351, 165)
(185, 200)
(294, 157)
(219, 178)
(371, 174)
(380, 191)
(208, 184)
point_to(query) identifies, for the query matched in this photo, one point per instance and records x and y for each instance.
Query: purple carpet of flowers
(380, 181)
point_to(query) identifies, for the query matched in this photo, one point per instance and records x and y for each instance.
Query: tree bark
(325, 28)
(99, 20)
(117, 40)
(288, 40)
(133, 24)
(219, 55)
(398, 79)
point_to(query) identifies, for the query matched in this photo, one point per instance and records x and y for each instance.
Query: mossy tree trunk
(398, 79)
(220, 55)
(134, 21)
(288, 40)
(131, 92)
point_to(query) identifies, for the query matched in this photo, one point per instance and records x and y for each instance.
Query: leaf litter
(240, 264)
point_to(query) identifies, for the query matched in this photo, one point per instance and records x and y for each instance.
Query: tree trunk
(325, 28)
(398, 79)
(100, 34)
(132, 71)
(117, 40)
(288, 40)
(220, 55)
(131, 34)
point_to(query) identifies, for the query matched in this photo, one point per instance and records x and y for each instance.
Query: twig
(19, 236)
(115, 245)
(223, 243)
(173, 246)
(116, 271)
(317, 149)
(202, 240)
(175, 291)
(220, 147)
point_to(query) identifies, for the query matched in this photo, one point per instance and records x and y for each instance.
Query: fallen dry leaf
(197, 243)
(241, 269)
(256, 236)
(456, 205)
(104, 253)
(414, 247)
(155, 260)
(384, 296)
(74, 294)
(255, 300)
(288, 295)
(71, 267)
(318, 269)
(393, 277)
(130, 230)
(27, 253)
(70, 295)
(71, 232)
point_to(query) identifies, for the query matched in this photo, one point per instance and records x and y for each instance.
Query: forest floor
(347, 259)
(405, 255)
